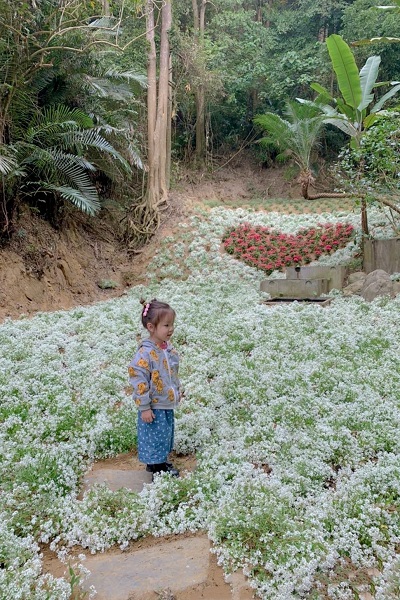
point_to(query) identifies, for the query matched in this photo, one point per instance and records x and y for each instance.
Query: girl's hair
(154, 311)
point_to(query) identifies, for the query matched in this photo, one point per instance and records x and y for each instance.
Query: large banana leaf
(395, 5)
(346, 70)
(382, 100)
(374, 40)
(322, 92)
(368, 76)
(343, 125)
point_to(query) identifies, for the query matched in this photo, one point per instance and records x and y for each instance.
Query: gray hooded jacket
(153, 374)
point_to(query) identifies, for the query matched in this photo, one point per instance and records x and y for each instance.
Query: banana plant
(354, 111)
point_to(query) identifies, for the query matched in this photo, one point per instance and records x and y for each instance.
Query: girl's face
(163, 331)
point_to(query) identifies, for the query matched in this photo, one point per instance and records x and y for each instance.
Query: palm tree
(296, 137)
(56, 156)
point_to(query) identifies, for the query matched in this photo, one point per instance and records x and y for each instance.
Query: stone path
(173, 568)
(116, 479)
(181, 568)
(175, 565)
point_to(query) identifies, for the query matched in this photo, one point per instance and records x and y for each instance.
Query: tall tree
(144, 217)
(157, 105)
(199, 13)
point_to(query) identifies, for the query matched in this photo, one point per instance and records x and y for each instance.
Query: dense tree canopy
(229, 61)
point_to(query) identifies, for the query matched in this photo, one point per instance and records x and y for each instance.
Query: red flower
(269, 250)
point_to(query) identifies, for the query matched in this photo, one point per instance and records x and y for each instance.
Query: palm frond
(104, 88)
(60, 113)
(277, 130)
(7, 162)
(57, 169)
(134, 156)
(69, 168)
(91, 139)
(131, 76)
(83, 202)
(104, 24)
(297, 136)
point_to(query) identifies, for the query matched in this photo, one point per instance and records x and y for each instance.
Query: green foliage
(372, 170)
(295, 137)
(352, 111)
(376, 162)
(53, 156)
(52, 77)
(368, 23)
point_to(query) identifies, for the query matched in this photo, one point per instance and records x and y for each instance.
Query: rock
(353, 288)
(377, 283)
(357, 276)
(375, 275)
(396, 287)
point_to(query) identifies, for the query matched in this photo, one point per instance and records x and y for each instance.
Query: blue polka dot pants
(156, 439)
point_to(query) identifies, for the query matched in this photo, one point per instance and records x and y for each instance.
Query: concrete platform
(335, 276)
(295, 288)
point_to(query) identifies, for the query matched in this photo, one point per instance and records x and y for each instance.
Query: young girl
(153, 374)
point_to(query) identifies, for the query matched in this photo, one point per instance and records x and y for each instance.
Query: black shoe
(171, 469)
(163, 468)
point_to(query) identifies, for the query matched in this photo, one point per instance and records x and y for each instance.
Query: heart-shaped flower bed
(271, 250)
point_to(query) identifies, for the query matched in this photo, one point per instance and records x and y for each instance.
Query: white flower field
(293, 412)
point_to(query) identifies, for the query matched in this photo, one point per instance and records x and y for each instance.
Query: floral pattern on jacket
(153, 375)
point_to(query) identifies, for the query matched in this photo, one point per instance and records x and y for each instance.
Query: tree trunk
(157, 106)
(144, 218)
(364, 218)
(152, 191)
(306, 179)
(199, 12)
(106, 8)
(161, 129)
(200, 151)
(169, 126)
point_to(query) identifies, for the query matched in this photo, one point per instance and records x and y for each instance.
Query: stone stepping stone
(176, 565)
(116, 479)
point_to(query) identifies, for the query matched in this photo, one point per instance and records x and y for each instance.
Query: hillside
(43, 269)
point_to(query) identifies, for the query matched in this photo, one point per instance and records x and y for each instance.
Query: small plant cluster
(271, 250)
